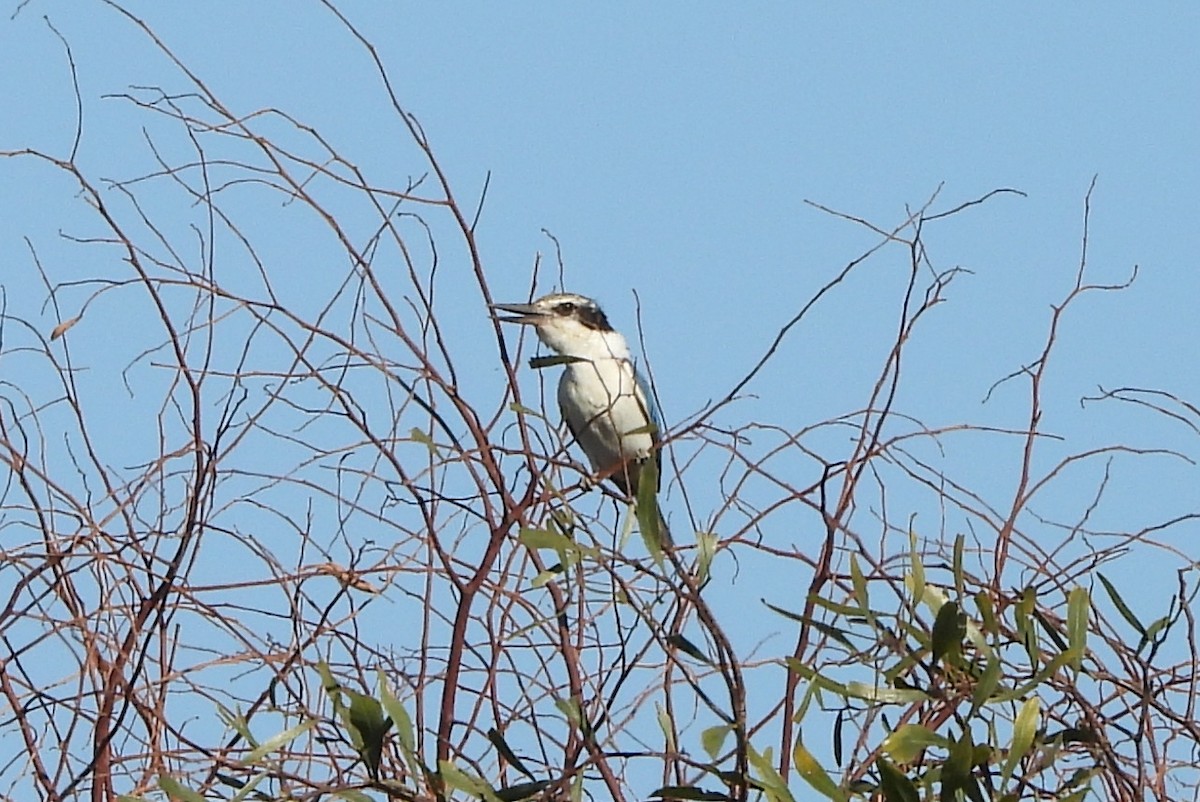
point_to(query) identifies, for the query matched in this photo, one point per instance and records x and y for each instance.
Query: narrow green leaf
(1078, 606)
(1021, 691)
(706, 550)
(767, 777)
(824, 629)
(1119, 603)
(178, 791)
(847, 610)
(543, 578)
(276, 741)
(424, 439)
(959, 580)
(876, 693)
(687, 647)
(352, 795)
(330, 685)
(815, 678)
(398, 714)
(837, 737)
(895, 784)
(648, 516)
(521, 409)
(460, 780)
(238, 723)
(665, 724)
(989, 680)
(861, 594)
(690, 792)
(515, 793)
(713, 740)
(1152, 632)
(1024, 730)
(906, 743)
(956, 771)
(573, 712)
(987, 612)
(494, 735)
(545, 539)
(916, 575)
(249, 789)
(368, 728)
(949, 629)
(814, 774)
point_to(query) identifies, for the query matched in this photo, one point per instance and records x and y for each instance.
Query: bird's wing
(650, 409)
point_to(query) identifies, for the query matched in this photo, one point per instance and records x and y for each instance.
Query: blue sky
(672, 150)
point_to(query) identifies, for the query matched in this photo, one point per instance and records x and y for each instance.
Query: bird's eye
(566, 309)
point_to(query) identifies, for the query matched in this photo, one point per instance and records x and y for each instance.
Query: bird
(601, 396)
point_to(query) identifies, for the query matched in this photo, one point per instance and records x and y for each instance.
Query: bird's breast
(604, 408)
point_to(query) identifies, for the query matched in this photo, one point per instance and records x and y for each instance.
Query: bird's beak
(519, 313)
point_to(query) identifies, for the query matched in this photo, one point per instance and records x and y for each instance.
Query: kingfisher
(601, 396)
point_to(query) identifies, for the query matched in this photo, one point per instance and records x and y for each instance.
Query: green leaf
(398, 714)
(713, 739)
(1119, 603)
(690, 792)
(949, 629)
(959, 582)
(276, 741)
(178, 791)
(956, 771)
(906, 743)
(238, 723)
(812, 773)
(687, 647)
(987, 612)
(515, 793)
(545, 539)
(574, 714)
(1078, 606)
(1021, 691)
(1024, 730)
(494, 735)
(876, 693)
(861, 595)
(332, 688)
(352, 795)
(1152, 632)
(648, 516)
(543, 578)
(767, 777)
(521, 409)
(367, 728)
(916, 577)
(706, 550)
(824, 629)
(665, 724)
(989, 680)
(424, 439)
(895, 784)
(649, 428)
(460, 780)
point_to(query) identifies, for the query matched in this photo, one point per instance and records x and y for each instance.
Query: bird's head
(569, 324)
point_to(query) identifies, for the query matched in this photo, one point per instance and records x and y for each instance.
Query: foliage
(277, 540)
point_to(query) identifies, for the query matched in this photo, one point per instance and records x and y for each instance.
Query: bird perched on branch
(601, 397)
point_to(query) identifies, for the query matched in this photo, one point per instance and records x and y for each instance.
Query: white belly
(606, 411)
